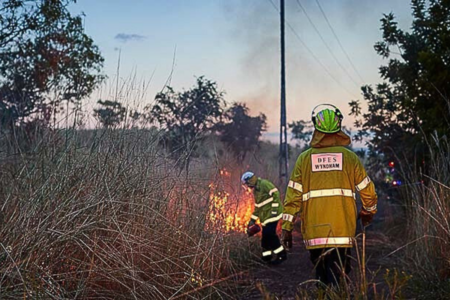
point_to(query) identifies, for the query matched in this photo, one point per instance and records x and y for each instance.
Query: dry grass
(428, 222)
(104, 214)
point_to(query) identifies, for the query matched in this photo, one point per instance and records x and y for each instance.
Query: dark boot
(280, 257)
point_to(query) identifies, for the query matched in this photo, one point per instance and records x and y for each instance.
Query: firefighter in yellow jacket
(268, 210)
(322, 188)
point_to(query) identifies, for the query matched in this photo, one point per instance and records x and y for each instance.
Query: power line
(312, 53)
(339, 42)
(326, 44)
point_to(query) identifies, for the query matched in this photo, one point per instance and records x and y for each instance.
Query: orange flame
(226, 212)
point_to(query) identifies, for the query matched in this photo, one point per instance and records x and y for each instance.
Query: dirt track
(283, 280)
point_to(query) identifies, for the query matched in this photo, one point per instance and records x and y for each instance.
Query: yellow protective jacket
(322, 188)
(268, 206)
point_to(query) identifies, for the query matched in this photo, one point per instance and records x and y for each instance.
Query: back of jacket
(323, 188)
(268, 206)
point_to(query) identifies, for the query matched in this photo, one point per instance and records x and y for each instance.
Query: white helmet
(246, 176)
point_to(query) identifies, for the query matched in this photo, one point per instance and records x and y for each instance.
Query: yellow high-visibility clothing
(268, 206)
(322, 188)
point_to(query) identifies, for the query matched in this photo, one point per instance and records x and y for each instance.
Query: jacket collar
(258, 184)
(322, 140)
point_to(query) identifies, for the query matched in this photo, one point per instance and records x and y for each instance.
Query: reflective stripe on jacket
(322, 188)
(268, 206)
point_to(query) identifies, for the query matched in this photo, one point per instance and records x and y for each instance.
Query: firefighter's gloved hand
(286, 239)
(366, 217)
(253, 229)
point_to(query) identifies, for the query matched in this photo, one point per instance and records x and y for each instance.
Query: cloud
(125, 37)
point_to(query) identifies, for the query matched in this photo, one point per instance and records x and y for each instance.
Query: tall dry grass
(427, 212)
(104, 214)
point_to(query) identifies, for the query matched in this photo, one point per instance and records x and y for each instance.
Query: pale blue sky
(236, 44)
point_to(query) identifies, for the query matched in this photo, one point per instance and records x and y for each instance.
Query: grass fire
(224, 149)
(229, 209)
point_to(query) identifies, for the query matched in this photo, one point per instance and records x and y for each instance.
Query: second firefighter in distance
(268, 210)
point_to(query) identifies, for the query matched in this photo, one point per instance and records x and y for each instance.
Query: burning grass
(113, 218)
(228, 211)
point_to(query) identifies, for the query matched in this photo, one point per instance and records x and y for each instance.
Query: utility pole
(283, 156)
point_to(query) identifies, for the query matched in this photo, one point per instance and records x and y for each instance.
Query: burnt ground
(282, 281)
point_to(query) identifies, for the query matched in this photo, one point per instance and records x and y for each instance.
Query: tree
(301, 131)
(412, 103)
(241, 132)
(45, 58)
(111, 114)
(186, 117)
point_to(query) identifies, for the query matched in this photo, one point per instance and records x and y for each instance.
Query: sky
(236, 43)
